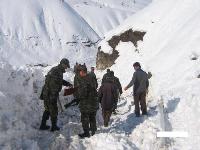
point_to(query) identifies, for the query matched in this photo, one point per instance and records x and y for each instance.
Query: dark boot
(137, 114)
(54, 125)
(144, 113)
(93, 133)
(84, 134)
(45, 117)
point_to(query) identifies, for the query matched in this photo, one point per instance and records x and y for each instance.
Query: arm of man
(119, 86)
(131, 82)
(65, 83)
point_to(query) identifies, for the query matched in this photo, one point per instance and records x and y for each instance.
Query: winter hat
(136, 64)
(65, 62)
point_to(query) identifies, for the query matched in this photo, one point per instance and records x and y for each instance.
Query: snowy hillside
(170, 50)
(43, 32)
(104, 15)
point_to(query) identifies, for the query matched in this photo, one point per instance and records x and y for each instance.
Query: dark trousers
(51, 109)
(106, 116)
(116, 101)
(140, 99)
(88, 120)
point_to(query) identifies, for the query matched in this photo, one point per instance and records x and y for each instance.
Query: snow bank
(19, 106)
(168, 49)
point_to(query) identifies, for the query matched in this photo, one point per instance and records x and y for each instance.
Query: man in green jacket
(50, 92)
(89, 104)
(140, 88)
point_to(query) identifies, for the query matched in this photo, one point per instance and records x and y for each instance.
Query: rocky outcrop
(105, 60)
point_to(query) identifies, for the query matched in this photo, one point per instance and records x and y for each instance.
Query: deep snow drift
(170, 51)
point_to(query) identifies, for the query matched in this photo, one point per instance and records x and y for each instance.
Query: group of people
(89, 96)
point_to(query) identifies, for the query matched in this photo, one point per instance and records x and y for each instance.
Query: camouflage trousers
(88, 120)
(51, 109)
(140, 101)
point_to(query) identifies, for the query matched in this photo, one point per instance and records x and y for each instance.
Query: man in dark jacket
(107, 74)
(89, 104)
(141, 84)
(119, 89)
(50, 92)
(107, 95)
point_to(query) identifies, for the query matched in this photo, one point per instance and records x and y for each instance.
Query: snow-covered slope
(170, 50)
(43, 31)
(104, 15)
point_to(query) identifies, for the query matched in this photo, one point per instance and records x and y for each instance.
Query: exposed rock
(105, 60)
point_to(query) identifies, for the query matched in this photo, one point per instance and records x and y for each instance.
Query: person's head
(136, 65)
(83, 71)
(92, 69)
(108, 70)
(76, 63)
(112, 73)
(65, 63)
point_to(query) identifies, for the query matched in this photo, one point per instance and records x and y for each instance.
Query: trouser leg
(137, 107)
(143, 103)
(106, 117)
(85, 121)
(93, 126)
(45, 117)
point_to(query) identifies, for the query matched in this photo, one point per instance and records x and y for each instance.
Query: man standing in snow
(107, 74)
(108, 93)
(141, 84)
(94, 75)
(119, 89)
(50, 92)
(89, 104)
(76, 68)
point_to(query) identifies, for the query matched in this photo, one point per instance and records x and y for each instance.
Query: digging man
(50, 92)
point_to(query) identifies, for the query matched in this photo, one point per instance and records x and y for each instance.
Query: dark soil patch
(105, 60)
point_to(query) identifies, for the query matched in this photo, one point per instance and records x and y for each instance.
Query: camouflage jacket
(53, 83)
(87, 93)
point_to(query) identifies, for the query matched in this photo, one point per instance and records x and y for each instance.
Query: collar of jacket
(61, 68)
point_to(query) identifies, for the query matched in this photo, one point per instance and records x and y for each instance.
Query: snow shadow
(172, 105)
(131, 122)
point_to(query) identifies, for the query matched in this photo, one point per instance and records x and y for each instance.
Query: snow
(104, 15)
(34, 31)
(43, 32)
(171, 40)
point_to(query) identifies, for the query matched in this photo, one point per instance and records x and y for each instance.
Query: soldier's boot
(45, 117)
(54, 125)
(84, 134)
(144, 112)
(137, 114)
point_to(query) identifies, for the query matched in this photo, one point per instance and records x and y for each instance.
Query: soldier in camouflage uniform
(89, 104)
(50, 92)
